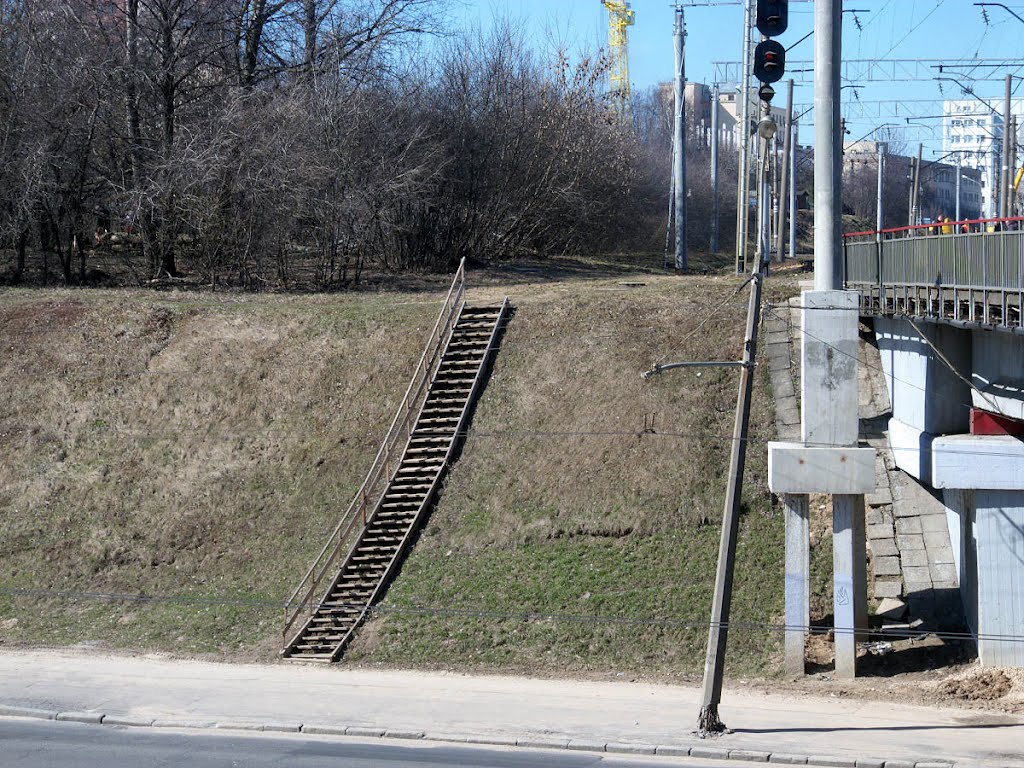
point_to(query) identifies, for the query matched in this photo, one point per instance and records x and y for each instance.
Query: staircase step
(399, 509)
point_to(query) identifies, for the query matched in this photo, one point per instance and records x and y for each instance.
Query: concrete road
(27, 744)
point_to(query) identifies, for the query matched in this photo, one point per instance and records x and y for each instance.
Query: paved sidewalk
(144, 690)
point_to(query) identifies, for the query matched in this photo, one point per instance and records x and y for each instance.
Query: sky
(952, 30)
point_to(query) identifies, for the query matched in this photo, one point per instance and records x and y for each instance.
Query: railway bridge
(946, 306)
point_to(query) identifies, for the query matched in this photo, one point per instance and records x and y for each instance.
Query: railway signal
(772, 17)
(769, 61)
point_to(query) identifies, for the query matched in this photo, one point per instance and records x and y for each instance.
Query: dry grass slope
(201, 447)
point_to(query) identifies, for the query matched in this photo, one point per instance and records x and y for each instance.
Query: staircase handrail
(369, 495)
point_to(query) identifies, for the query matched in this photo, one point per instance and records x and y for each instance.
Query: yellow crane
(621, 17)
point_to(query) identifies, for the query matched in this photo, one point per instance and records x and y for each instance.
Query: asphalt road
(27, 744)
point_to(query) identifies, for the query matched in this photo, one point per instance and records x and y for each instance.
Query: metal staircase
(354, 568)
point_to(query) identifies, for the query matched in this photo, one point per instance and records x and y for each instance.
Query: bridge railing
(967, 271)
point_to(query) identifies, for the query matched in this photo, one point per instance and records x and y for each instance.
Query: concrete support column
(798, 582)
(827, 461)
(849, 561)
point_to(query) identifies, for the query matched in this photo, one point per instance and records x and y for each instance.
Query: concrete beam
(988, 462)
(795, 468)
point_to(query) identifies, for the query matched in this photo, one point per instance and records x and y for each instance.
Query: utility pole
(910, 196)
(915, 210)
(714, 168)
(883, 148)
(828, 149)
(1005, 180)
(1011, 179)
(794, 129)
(787, 170)
(956, 164)
(742, 207)
(827, 459)
(679, 166)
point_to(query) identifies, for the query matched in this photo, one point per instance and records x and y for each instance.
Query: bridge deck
(971, 275)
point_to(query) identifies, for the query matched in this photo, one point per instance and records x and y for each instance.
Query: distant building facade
(973, 131)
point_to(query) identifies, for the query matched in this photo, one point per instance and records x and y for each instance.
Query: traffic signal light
(772, 17)
(769, 61)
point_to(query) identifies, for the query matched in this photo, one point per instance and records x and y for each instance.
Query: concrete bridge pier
(828, 460)
(935, 374)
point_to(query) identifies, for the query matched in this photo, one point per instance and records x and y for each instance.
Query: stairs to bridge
(366, 550)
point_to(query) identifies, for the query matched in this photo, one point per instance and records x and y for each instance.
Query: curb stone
(630, 749)
(357, 730)
(93, 718)
(711, 753)
(324, 730)
(40, 714)
(585, 746)
(698, 751)
(196, 724)
(497, 741)
(749, 755)
(228, 725)
(535, 743)
(673, 751)
(282, 727)
(128, 722)
(400, 734)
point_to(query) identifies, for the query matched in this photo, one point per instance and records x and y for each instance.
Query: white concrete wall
(998, 371)
(999, 533)
(960, 518)
(925, 394)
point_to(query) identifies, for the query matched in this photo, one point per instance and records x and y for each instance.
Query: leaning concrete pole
(679, 164)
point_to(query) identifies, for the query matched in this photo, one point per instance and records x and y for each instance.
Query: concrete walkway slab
(151, 688)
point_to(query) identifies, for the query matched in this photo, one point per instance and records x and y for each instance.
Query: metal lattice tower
(620, 18)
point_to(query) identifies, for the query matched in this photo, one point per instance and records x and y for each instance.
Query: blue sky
(953, 30)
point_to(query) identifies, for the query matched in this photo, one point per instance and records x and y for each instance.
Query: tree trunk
(131, 89)
(19, 267)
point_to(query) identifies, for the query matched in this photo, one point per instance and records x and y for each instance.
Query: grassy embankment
(199, 447)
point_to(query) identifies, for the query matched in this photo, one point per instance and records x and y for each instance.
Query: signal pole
(742, 207)
(883, 148)
(1005, 180)
(956, 164)
(787, 170)
(679, 165)
(714, 168)
(794, 129)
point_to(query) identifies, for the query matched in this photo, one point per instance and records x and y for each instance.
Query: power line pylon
(621, 17)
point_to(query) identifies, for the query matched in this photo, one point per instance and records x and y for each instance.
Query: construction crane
(620, 18)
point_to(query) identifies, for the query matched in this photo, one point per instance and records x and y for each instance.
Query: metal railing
(967, 272)
(389, 457)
